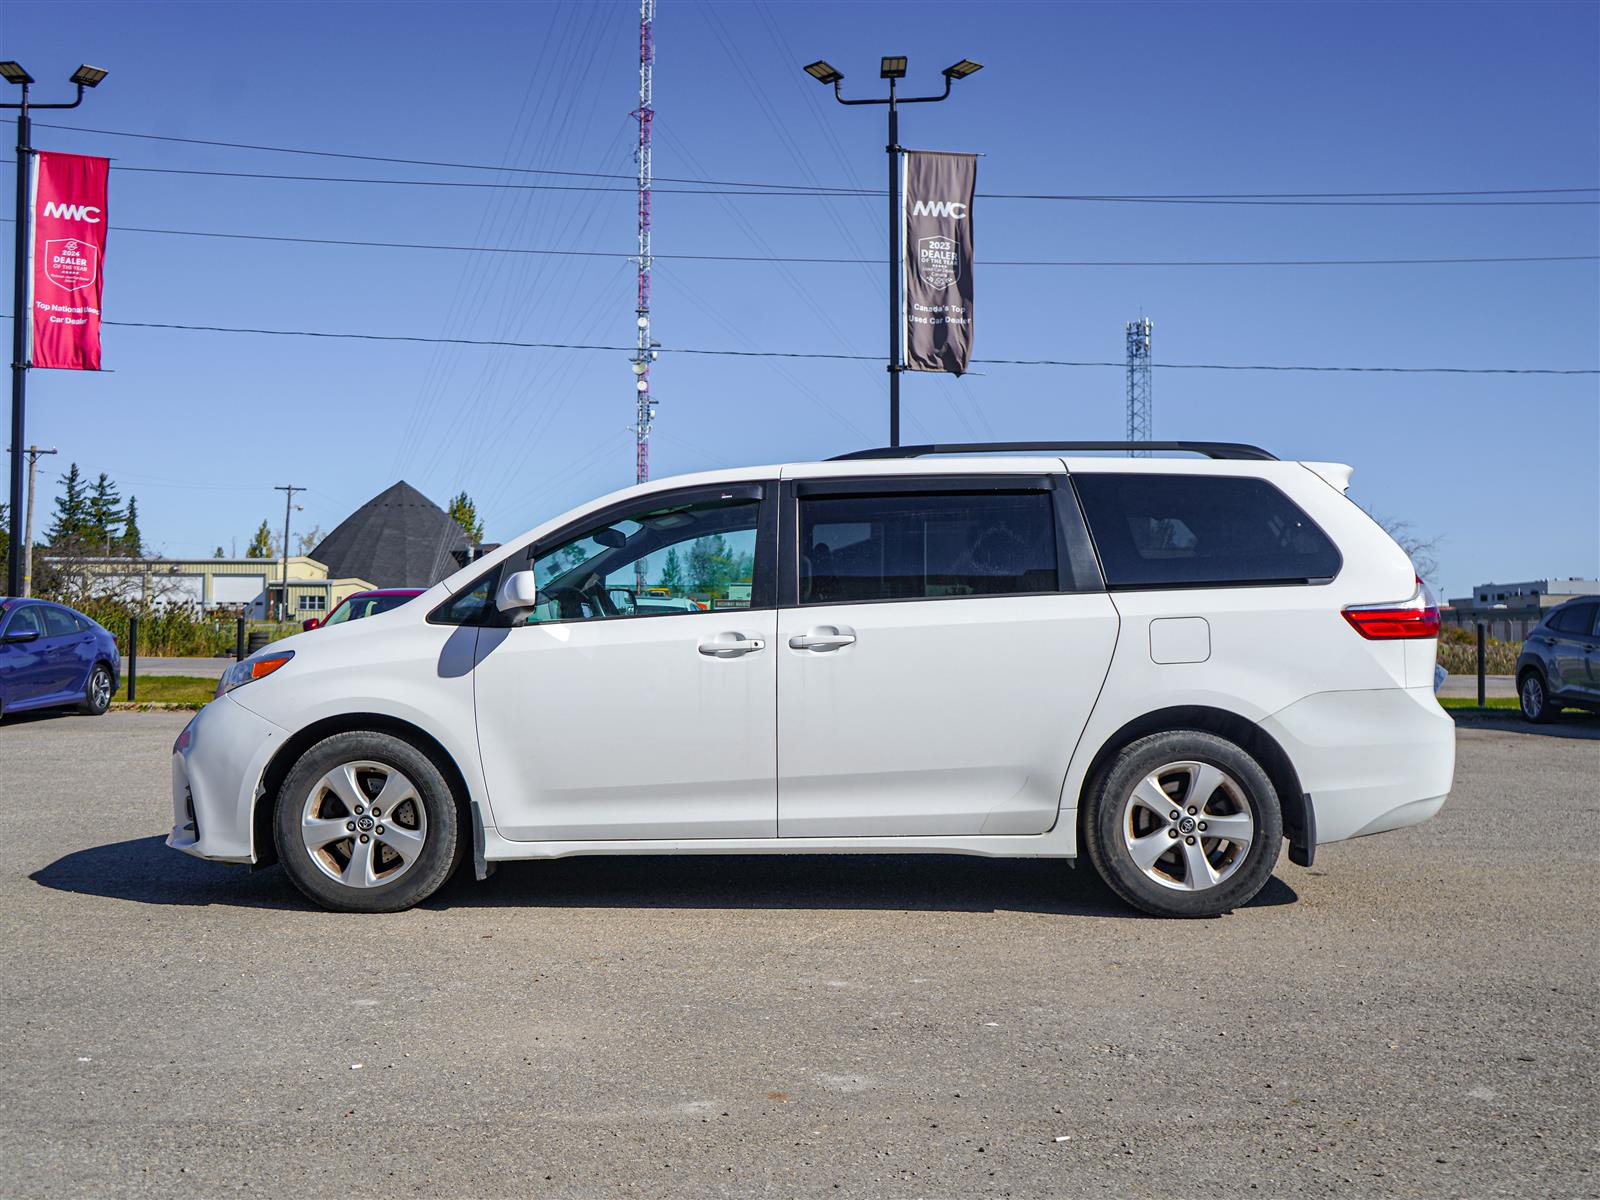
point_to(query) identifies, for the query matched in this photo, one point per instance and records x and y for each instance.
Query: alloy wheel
(1532, 697)
(1187, 826)
(363, 824)
(100, 687)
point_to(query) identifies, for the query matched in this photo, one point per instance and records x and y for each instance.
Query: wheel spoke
(358, 871)
(1147, 849)
(1203, 783)
(1200, 874)
(397, 789)
(407, 843)
(341, 781)
(1238, 828)
(1150, 794)
(317, 832)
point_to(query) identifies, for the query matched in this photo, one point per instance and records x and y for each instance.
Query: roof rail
(1238, 450)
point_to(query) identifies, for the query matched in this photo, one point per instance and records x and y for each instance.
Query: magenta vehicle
(365, 604)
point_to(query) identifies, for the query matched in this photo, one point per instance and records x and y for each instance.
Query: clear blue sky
(1080, 98)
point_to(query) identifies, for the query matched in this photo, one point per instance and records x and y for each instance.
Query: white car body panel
(955, 725)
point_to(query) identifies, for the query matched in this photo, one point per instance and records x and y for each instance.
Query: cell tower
(1141, 417)
(645, 350)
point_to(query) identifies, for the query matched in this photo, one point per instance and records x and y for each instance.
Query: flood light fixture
(819, 70)
(12, 72)
(893, 67)
(87, 76)
(962, 69)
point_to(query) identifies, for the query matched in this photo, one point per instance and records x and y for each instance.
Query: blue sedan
(52, 656)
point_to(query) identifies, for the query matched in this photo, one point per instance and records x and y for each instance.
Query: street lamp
(12, 72)
(893, 68)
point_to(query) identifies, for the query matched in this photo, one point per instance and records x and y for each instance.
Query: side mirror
(518, 592)
(22, 635)
(310, 623)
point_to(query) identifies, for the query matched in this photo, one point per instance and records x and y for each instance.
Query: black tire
(1533, 697)
(97, 691)
(438, 819)
(1108, 808)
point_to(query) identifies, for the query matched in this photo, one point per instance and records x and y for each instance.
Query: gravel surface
(1415, 1016)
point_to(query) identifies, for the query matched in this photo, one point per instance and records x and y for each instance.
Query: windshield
(356, 607)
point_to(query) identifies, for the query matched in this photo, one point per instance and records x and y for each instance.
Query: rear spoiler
(1336, 475)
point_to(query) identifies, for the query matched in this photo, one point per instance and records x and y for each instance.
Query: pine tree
(672, 572)
(465, 514)
(261, 544)
(131, 542)
(72, 510)
(104, 513)
(709, 565)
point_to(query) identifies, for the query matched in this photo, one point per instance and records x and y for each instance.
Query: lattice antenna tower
(1141, 418)
(645, 350)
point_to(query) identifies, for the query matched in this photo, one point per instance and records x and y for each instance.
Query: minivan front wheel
(365, 822)
(1184, 824)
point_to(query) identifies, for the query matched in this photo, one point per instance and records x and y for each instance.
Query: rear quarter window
(1201, 531)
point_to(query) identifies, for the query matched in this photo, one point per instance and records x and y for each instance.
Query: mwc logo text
(73, 212)
(954, 209)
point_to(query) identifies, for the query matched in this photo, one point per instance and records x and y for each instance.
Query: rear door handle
(731, 645)
(821, 641)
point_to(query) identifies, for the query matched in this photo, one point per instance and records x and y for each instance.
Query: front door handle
(821, 641)
(731, 645)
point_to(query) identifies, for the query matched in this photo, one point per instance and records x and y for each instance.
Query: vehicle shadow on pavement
(905, 882)
(144, 870)
(1583, 726)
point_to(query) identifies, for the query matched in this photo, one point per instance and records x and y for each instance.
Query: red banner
(69, 253)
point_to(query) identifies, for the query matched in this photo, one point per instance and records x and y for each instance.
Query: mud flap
(481, 867)
(1300, 827)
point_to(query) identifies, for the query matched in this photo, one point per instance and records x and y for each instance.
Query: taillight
(1417, 617)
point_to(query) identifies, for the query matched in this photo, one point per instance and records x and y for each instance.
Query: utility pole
(34, 454)
(893, 68)
(1141, 406)
(644, 349)
(288, 490)
(12, 72)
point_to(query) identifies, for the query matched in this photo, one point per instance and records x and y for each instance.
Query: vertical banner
(67, 275)
(936, 220)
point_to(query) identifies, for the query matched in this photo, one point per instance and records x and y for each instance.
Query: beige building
(251, 586)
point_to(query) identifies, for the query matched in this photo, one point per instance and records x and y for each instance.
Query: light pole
(12, 72)
(893, 68)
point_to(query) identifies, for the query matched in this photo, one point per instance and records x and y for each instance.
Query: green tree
(465, 514)
(131, 542)
(672, 572)
(5, 536)
(260, 545)
(218, 553)
(710, 567)
(71, 521)
(104, 513)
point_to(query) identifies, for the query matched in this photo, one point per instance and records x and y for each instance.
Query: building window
(313, 602)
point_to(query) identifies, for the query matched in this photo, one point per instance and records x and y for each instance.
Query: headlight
(250, 669)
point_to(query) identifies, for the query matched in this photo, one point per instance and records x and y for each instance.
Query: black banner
(936, 226)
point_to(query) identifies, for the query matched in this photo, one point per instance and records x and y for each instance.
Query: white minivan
(1169, 664)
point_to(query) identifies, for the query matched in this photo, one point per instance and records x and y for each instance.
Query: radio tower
(645, 350)
(1141, 418)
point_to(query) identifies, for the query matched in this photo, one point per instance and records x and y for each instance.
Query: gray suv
(1560, 662)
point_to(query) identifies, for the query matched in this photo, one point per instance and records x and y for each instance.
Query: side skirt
(1060, 842)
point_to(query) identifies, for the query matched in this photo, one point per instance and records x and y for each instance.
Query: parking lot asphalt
(1414, 1016)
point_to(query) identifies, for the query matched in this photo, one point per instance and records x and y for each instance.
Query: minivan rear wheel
(1184, 824)
(365, 822)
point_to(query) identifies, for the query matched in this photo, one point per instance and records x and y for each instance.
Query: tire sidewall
(440, 854)
(1103, 824)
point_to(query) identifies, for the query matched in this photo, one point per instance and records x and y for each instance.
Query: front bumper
(217, 765)
(1372, 761)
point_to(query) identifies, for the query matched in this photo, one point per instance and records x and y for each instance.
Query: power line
(700, 351)
(800, 188)
(761, 258)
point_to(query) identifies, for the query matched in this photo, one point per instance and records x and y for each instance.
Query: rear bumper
(217, 765)
(1372, 761)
